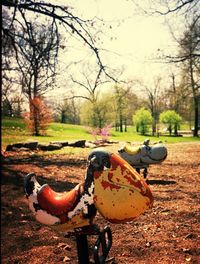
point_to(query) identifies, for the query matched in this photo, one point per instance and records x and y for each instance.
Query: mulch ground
(167, 233)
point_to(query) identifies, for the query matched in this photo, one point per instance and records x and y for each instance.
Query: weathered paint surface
(120, 193)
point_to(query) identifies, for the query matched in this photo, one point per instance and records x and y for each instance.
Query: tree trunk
(196, 116)
(10, 109)
(35, 92)
(36, 121)
(121, 123)
(125, 126)
(154, 128)
(18, 108)
(170, 130)
(196, 101)
(116, 127)
(175, 129)
(62, 116)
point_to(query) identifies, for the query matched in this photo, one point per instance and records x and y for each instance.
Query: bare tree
(74, 25)
(189, 61)
(154, 100)
(89, 89)
(177, 97)
(35, 47)
(90, 83)
(37, 59)
(121, 104)
(188, 56)
(67, 111)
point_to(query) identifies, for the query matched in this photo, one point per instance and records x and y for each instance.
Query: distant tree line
(121, 107)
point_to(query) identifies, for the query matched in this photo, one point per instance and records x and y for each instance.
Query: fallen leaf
(66, 259)
(148, 244)
(64, 246)
(190, 236)
(186, 250)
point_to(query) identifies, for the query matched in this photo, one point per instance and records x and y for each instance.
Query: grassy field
(13, 131)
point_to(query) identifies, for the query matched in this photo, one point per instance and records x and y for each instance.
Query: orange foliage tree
(39, 116)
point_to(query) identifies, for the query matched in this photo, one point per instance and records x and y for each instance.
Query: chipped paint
(86, 199)
(111, 186)
(45, 218)
(122, 188)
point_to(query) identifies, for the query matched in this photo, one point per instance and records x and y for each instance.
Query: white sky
(136, 39)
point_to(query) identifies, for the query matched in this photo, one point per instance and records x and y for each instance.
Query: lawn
(13, 131)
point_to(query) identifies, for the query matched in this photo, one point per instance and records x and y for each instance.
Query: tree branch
(67, 18)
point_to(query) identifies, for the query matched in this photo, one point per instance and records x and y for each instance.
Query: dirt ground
(167, 233)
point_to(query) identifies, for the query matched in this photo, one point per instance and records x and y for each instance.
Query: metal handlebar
(102, 246)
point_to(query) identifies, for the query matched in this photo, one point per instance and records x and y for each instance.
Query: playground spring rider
(111, 186)
(143, 156)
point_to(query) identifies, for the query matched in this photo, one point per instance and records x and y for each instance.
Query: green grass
(13, 123)
(67, 132)
(132, 136)
(13, 131)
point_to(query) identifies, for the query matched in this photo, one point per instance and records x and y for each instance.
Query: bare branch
(79, 96)
(179, 6)
(63, 15)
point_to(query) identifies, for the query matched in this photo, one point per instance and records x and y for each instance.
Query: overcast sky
(133, 41)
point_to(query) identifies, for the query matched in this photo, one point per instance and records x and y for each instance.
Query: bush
(103, 133)
(142, 120)
(38, 118)
(172, 119)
